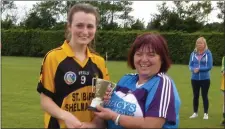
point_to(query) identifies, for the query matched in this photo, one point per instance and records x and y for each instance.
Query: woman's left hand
(106, 113)
(107, 95)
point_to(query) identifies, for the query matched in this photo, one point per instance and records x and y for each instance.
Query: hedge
(36, 43)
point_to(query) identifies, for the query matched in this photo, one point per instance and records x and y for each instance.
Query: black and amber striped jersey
(68, 82)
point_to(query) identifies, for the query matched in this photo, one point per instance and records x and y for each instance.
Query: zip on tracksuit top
(205, 65)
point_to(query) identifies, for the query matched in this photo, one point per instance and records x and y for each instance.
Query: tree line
(185, 16)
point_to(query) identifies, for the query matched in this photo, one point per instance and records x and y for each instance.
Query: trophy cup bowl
(101, 87)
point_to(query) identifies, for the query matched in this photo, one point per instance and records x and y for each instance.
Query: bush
(37, 43)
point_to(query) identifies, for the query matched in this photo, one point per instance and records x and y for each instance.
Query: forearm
(95, 123)
(91, 125)
(131, 122)
(50, 106)
(203, 69)
(140, 122)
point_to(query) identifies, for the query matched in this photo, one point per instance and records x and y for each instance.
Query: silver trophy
(100, 86)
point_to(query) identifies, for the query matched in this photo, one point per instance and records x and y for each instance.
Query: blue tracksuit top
(204, 65)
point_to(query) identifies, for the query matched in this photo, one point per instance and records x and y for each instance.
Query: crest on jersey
(70, 77)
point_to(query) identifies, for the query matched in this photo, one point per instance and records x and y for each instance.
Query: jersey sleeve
(46, 79)
(163, 102)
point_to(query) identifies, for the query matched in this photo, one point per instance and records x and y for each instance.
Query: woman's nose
(85, 30)
(144, 58)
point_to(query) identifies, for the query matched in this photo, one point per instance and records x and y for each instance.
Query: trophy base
(93, 109)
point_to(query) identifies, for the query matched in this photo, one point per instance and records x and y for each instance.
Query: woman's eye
(79, 25)
(151, 54)
(90, 26)
(138, 54)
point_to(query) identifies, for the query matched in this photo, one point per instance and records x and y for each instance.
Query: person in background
(200, 64)
(148, 99)
(67, 72)
(223, 88)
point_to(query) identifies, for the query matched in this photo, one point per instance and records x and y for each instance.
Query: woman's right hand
(196, 70)
(70, 120)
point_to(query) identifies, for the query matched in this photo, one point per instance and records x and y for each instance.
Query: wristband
(117, 119)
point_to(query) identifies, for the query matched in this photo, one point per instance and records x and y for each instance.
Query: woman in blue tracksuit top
(200, 64)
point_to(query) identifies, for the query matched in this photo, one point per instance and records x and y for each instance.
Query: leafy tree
(184, 16)
(8, 9)
(7, 23)
(154, 24)
(52, 12)
(127, 19)
(215, 26)
(42, 15)
(221, 7)
(33, 21)
(7, 5)
(138, 25)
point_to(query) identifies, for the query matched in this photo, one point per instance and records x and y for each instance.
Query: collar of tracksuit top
(204, 54)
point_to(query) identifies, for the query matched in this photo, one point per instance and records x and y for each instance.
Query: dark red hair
(157, 43)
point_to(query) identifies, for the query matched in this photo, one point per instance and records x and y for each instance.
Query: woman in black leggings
(200, 64)
(204, 86)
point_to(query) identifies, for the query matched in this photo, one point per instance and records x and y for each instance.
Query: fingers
(107, 93)
(79, 125)
(109, 89)
(106, 97)
(100, 108)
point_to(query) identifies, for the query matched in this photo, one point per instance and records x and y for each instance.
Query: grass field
(21, 106)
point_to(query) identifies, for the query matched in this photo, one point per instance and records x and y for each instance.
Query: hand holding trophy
(100, 86)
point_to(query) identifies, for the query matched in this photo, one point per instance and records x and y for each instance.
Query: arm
(191, 63)
(130, 121)
(209, 63)
(49, 106)
(160, 110)
(46, 89)
(140, 122)
(95, 123)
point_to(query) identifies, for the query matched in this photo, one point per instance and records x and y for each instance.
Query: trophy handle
(92, 85)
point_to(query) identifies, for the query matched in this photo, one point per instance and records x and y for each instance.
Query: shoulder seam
(58, 48)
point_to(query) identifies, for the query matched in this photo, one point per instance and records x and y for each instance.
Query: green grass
(21, 105)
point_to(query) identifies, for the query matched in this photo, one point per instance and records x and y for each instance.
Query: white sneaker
(194, 115)
(206, 117)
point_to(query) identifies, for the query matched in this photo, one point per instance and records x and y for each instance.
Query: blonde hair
(201, 39)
